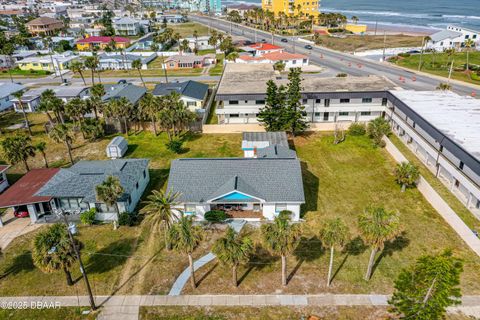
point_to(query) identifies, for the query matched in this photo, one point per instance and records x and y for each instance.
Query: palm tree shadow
(354, 247)
(21, 262)
(307, 250)
(205, 275)
(261, 258)
(397, 244)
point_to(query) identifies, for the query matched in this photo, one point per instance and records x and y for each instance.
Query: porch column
(32, 212)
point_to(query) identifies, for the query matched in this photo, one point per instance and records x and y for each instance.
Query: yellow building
(356, 28)
(44, 63)
(292, 7)
(100, 43)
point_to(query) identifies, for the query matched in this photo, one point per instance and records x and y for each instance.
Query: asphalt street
(337, 62)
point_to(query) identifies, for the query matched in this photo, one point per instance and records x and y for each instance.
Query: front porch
(240, 210)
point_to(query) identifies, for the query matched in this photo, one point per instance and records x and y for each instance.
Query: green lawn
(369, 42)
(186, 29)
(452, 201)
(217, 70)
(439, 64)
(17, 73)
(212, 116)
(69, 313)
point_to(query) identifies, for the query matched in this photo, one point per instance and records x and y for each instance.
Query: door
(325, 116)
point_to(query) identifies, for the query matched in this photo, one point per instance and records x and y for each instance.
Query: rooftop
(24, 190)
(132, 92)
(457, 117)
(264, 139)
(192, 89)
(99, 39)
(7, 88)
(284, 56)
(252, 79)
(445, 34)
(207, 179)
(43, 21)
(264, 46)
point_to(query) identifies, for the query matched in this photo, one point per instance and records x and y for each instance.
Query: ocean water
(435, 14)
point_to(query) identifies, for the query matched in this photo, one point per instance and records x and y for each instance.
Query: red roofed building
(101, 43)
(263, 48)
(22, 193)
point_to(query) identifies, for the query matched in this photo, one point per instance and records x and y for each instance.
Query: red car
(21, 212)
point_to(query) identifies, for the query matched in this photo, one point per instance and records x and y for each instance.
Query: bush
(377, 129)
(88, 217)
(127, 219)
(342, 75)
(475, 76)
(357, 129)
(404, 54)
(215, 216)
(175, 145)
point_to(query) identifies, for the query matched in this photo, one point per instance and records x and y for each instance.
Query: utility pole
(384, 44)
(77, 253)
(450, 72)
(164, 68)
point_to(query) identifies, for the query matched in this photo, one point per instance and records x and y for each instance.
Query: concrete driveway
(14, 227)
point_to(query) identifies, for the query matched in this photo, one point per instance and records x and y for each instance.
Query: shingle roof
(201, 180)
(42, 21)
(81, 179)
(7, 88)
(444, 34)
(276, 151)
(131, 92)
(264, 139)
(191, 89)
(24, 190)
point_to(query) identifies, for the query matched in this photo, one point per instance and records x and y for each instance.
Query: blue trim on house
(235, 196)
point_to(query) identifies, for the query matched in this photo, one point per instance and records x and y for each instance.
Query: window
(190, 209)
(327, 102)
(441, 148)
(343, 113)
(191, 103)
(344, 100)
(233, 102)
(457, 183)
(136, 185)
(317, 114)
(461, 165)
(365, 113)
(145, 173)
(246, 101)
(294, 61)
(64, 204)
(325, 116)
(414, 124)
(234, 115)
(279, 207)
(304, 101)
(259, 101)
(367, 100)
(318, 100)
(384, 101)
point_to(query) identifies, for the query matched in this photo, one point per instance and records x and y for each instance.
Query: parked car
(284, 40)
(21, 212)
(309, 47)
(264, 41)
(122, 81)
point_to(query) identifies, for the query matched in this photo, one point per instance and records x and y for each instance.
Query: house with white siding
(452, 37)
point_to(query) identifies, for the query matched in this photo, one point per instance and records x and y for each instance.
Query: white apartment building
(443, 130)
(452, 37)
(130, 27)
(241, 95)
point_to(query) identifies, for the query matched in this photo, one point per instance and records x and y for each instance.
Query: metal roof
(276, 151)
(264, 139)
(201, 180)
(445, 34)
(7, 88)
(131, 92)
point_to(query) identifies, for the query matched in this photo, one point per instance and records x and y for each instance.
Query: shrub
(475, 76)
(357, 129)
(88, 217)
(377, 129)
(175, 145)
(127, 219)
(342, 75)
(404, 54)
(215, 216)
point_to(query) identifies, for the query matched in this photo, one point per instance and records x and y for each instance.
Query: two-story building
(44, 26)
(452, 37)
(242, 90)
(127, 26)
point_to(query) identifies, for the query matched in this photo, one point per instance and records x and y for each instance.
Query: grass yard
(153, 72)
(186, 29)
(217, 70)
(465, 214)
(17, 73)
(369, 42)
(439, 64)
(212, 116)
(341, 181)
(104, 254)
(70, 313)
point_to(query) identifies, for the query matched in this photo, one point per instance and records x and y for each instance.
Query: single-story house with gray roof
(116, 91)
(192, 93)
(247, 188)
(41, 191)
(252, 142)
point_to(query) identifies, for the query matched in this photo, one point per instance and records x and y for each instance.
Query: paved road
(133, 79)
(340, 62)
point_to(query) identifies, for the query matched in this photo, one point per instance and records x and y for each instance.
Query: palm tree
(355, 19)
(160, 207)
(469, 43)
(42, 147)
(137, 64)
(185, 237)
(19, 96)
(334, 234)
(52, 251)
(444, 86)
(18, 149)
(108, 192)
(122, 108)
(233, 250)
(92, 63)
(377, 226)
(281, 237)
(150, 106)
(406, 174)
(195, 35)
(232, 56)
(95, 101)
(78, 67)
(63, 133)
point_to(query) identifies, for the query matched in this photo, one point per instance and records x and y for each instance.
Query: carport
(23, 193)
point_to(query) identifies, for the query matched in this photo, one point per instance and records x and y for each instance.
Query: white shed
(117, 147)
